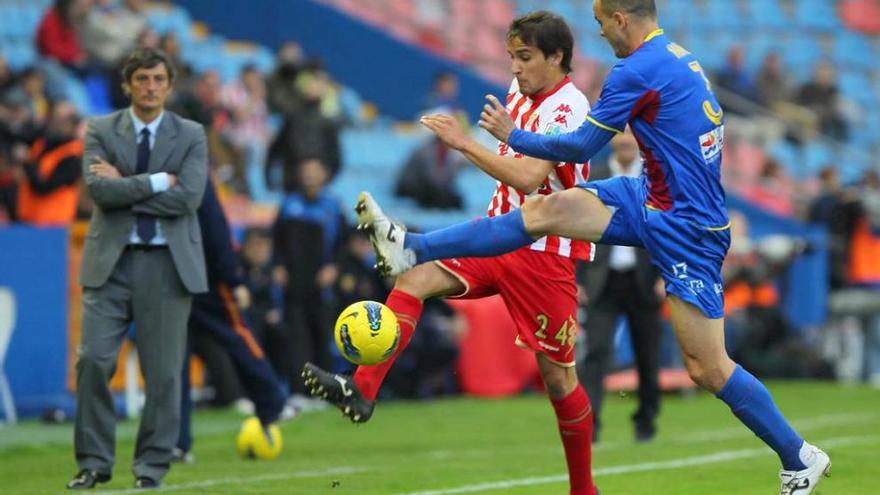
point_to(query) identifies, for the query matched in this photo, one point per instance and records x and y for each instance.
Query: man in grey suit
(622, 281)
(146, 170)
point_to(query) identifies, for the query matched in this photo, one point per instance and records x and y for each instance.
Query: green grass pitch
(508, 446)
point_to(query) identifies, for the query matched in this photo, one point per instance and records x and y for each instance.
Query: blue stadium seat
(768, 14)
(817, 15)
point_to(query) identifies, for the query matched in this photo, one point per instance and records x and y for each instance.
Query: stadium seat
(7, 325)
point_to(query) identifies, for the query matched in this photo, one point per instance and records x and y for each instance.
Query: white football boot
(803, 482)
(386, 236)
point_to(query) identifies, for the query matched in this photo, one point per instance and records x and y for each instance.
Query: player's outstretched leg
(707, 362)
(398, 251)
(406, 301)
(386, 235)
(339, 390)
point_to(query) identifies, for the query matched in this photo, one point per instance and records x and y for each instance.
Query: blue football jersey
(662, 92)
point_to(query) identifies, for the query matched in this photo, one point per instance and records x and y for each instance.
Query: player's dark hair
(638, 8)
(547, 32)
(147, 58)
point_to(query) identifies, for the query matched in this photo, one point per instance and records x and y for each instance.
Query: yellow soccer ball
(253, 443)
(367, 333)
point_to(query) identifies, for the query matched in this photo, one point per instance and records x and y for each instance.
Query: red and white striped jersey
(562, 109)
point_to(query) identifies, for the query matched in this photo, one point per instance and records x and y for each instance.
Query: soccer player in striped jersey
(536, 281)
(676, 211)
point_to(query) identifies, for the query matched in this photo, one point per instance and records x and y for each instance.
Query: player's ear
(556, 58)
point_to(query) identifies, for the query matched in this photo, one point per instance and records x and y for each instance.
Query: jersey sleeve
(622, 90)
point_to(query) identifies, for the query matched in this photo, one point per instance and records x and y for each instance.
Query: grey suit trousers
(146, 289)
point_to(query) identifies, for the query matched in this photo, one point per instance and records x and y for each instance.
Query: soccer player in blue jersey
(676, 211)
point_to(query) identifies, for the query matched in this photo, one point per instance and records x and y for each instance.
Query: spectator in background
(284, 96)
(110, 31)
(170, 44)
(621, 281)
(739, 93)
(267, 296)
(31, 92)
(443, 97)
(57, 36)
(822, 96)
(759, 335)
(7, 78)
(248, 129)
(428, 176)
(49, 193)
(203, 103)
(308, 234)
(773, 190)
(312, 119)
(776, 92)
(10, 173)
(358, 280)
(830, 209)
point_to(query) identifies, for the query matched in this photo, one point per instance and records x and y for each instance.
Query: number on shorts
(543, 321)
(567, 333)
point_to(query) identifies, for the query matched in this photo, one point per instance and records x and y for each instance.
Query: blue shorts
(688, 255)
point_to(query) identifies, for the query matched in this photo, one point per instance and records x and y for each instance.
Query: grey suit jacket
(180, 149)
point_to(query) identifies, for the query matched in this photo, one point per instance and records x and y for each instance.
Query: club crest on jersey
(553, 130)
(711, 143)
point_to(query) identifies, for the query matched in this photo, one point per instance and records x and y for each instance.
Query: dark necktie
(146, 224)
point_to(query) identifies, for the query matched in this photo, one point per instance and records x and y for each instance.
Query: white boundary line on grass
(317, 473)
(646, 466)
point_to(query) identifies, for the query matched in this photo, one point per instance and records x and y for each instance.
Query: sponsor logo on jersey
(711, 143)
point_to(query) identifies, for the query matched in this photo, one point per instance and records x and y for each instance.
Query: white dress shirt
(623, 258)
(159, 182)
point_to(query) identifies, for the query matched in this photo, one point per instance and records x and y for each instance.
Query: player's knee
(425, 281)
(709, 376)
(540, 214)
(560, 382)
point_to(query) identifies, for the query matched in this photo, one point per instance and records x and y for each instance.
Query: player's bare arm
(525, 174)
(496, 120)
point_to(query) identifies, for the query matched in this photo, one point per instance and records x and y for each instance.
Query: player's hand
(103, 169)
(447, 129)
(172, 180)
(242, 296)
(496, 120)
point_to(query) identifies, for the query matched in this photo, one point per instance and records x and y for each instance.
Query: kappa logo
(563, 108)
(711, 143)
(561, 119)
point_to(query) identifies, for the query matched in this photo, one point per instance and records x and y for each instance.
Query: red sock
(574, 415)
(408, 310)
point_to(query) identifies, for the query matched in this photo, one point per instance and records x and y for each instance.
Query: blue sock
(751, 403)
(482, 237)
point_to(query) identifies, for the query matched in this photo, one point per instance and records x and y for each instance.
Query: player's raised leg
(398, 250)
(707, 362)
(356, 395)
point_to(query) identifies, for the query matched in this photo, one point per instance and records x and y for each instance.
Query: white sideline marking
(646, 466)
(244, 480)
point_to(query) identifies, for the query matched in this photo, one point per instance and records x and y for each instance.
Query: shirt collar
(139, 125)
